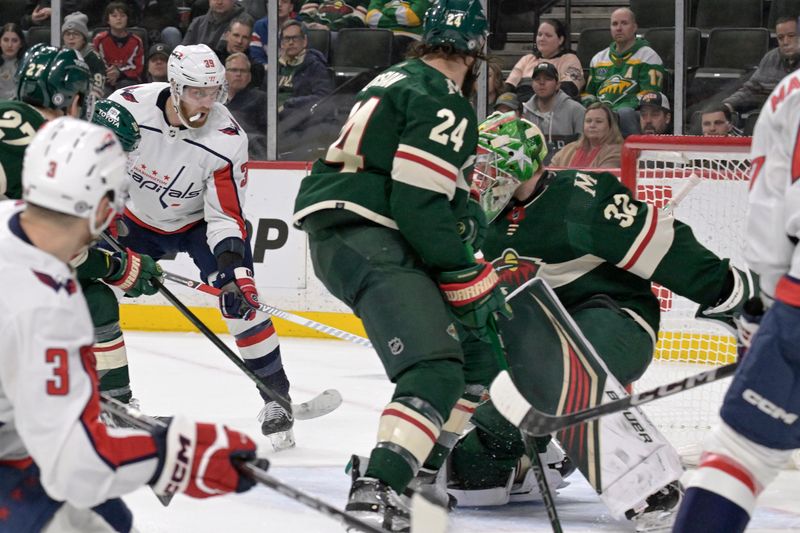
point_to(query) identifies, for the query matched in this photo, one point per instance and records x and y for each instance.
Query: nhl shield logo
(396, 346)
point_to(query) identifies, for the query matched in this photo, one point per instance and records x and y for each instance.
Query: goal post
(715, 172)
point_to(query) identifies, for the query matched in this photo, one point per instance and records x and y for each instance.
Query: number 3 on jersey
(346, 149)
(59, 385)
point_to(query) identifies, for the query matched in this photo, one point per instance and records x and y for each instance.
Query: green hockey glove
(743, 286)
(472, 226)
(134, 273)
(474, 295)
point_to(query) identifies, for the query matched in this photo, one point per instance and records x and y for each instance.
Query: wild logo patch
(514, 270)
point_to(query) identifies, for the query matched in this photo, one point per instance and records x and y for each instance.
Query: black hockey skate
(277, 424)
(659, 510)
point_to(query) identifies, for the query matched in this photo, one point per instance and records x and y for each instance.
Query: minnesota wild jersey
(18, 124)
(586, 235)
(619, 79)
(402, 160)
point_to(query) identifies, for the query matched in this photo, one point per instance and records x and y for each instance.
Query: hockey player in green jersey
(381, 210)
(598, 247)
(52, 83)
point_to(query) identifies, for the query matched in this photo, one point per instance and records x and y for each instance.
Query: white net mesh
(709, 185)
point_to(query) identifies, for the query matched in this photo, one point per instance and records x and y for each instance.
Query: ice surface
(185, 373)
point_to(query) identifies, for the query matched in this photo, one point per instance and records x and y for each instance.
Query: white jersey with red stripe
(773, 215)
(49, 403)
(180, 175)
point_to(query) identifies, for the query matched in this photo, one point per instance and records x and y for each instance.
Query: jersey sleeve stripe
(788, 290)
(426, 171)
(114, 451)
(228, 196)
(651, 245)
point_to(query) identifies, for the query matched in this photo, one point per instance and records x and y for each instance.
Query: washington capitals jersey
(49, 406)
(181, 175)
(773, 213)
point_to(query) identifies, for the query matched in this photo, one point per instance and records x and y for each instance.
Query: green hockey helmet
(115, 117)
(49, 77)
(510, 152)
(461, 24)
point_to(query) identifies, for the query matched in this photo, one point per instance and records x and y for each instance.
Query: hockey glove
(133, 273)
(200, 459)
(743, 286)
(472, 226)
(474, 294)
(239, 297)
(747, 324)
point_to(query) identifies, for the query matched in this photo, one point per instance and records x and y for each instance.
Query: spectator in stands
(403, 18)
(158, 17)
(157, 58)
(552, 46)
(655, 114)
(303, 78)
(599, 146)
(621, 73)
(717, 122)
(558, 116)
(237, 37)
(208, 29)
(507, 102)
(75, 35)
(122, 51)
(258, 41)
(333, 15)
(37, 12)
(774, 66)
(12, 45)
(247, 104)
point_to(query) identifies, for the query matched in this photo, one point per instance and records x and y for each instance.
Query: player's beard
(198, 123)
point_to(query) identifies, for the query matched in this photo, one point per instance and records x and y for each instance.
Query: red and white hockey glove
(239, 297)
(198, 459)
(474, 295)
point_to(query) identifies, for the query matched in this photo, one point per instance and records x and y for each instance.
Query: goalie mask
(70, 166)
(197, 80)
(510, 151)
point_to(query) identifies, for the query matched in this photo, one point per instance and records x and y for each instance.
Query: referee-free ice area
(184, 373)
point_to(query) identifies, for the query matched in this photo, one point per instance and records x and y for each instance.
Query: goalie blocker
(623, 456)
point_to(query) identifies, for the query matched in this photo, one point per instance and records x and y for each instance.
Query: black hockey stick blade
(517, 410)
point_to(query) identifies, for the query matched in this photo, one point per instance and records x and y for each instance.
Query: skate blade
(283, 440)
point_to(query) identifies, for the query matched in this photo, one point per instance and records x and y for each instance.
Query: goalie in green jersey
(382, 212)
(598, 247)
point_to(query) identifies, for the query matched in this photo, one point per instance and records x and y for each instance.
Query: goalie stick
(426, 517)
(320, 405)
(512, 405)
(274, 311)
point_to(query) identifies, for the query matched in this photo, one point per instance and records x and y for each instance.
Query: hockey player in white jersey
(61, 470)
(760, 413)
(187, 194)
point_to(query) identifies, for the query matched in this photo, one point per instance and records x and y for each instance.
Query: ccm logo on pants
(754, 398)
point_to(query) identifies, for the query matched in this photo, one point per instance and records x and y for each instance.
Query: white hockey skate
(277, 424)
(657, 513)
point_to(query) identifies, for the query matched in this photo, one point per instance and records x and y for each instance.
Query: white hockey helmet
(70, 166)
(195, 66)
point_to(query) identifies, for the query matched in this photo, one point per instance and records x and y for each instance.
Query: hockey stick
(512, 405)
(322, 404)
(427, 513)
(306, 322)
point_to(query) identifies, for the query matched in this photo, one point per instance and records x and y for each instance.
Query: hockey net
(707, 177)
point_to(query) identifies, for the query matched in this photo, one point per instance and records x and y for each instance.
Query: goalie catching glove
(133, 273)
(474, 294)
(199, 459)
(743, 287)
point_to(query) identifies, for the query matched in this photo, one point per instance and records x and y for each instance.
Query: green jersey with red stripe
(18, 124)
(402, 160)
(587, 235)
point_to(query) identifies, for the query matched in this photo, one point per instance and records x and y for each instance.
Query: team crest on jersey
(615, 87)
(514, 270)
(68, 286)
(127, 95)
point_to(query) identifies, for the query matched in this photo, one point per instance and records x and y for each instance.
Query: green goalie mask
(49, 77)
(510, 151)
(115, 117)
(458, 23)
